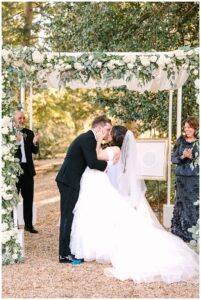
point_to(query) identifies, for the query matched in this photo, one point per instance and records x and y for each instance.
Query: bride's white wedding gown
(107, 229)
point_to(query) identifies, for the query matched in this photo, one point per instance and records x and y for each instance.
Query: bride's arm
(102, 154)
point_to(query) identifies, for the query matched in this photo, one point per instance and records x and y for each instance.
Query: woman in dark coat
(185, 156)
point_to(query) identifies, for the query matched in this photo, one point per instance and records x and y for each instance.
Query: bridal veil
(130, 181)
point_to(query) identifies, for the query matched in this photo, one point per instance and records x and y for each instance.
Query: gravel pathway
(41, 276)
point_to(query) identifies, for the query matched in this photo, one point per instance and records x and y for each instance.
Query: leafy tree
(110, 26)
(21, 23)
(122, 26)
(60, 115)
(148, 110)
(104, 26)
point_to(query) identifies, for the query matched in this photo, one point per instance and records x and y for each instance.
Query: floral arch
(27, 67)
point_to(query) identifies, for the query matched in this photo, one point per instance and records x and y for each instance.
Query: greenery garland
(24, 65)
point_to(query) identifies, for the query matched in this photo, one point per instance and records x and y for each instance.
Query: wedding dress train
(106, 228)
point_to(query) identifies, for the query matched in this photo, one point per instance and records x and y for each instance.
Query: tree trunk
(28, 16)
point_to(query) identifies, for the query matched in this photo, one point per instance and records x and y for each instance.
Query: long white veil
(130, 184)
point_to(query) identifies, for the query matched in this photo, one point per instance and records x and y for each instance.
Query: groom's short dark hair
(100, 120)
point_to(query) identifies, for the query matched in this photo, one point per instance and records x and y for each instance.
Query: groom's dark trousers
(81, 153)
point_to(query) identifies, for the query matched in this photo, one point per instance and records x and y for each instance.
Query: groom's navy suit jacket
(81, 153)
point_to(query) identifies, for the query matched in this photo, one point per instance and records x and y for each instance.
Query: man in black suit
(28, 144)
(81, 153)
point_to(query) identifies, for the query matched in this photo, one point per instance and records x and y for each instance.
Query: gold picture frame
(153, 158)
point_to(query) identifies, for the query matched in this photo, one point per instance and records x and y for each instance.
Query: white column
(15, 216)
(179, 111)
(22, 97)
(169, 147)
(168, 208)
(30, 108)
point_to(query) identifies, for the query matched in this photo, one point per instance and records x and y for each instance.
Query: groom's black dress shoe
(70, 259)
(31, 230)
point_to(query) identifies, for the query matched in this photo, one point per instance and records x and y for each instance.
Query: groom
(81, 153)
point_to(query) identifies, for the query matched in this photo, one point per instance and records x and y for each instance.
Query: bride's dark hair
(118, 133)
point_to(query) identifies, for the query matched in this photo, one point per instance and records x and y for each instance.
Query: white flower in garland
(198, 99)
(18, 63)
(185, 66)
(5, 150)
(7, 55)
(37, 57)
(6, 196)
(79, 66)
(32, 69)
(3, 94)
(12, 138)
(5, 237)
(189, 53)
(130, 66)
(111, 66)
(15, 256)
(5, 130)
(6, 188)
(3, 211)
(168, 61)
(145, 61)
(99, 64)
(4, 226)
(9, 234)
(90, 58)
(62, 67)
(129, 58)
(195, 72)
(197, 83)
(114, 63)
(9, 157)
(48, 65)
(153, 58)
(180, 54)
(161, 61)
(170, 54)
(6, 122)
(68, 67)
(57, 67)
(50, 56)
(117, 62)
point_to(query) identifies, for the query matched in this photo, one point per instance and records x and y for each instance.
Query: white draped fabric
(160, 81)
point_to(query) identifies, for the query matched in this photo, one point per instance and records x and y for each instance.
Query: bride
(118, 226)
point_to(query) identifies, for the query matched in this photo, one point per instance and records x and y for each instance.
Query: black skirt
(185, 213)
